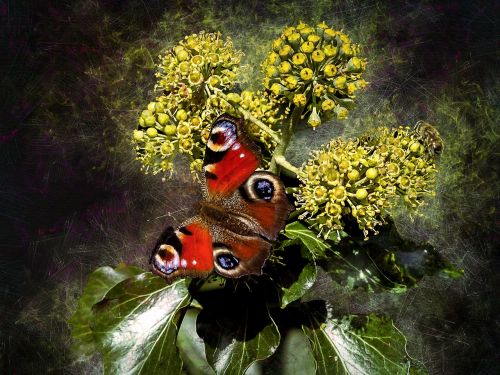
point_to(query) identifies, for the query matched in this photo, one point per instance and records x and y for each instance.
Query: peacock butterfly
(240, 215)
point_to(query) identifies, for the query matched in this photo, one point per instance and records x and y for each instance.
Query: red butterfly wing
(229, 157)
(184, 252)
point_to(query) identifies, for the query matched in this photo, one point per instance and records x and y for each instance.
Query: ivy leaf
(136, 325)
(191, 346)
(235, 353)
(99, 283)
(237, 329)
(316, 246)
(341, 348)
(304, 282)
(297, 357)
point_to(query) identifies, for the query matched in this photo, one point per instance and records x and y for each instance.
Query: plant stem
(279, 152)
(282, 162)
(252, 118)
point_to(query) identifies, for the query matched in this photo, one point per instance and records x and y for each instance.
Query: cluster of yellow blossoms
(315, 68)
(195, 79)
(360, 179)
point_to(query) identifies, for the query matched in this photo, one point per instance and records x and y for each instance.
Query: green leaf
(236, 328)
(99, 283)
(191, 346)
(136, 326)
(233, 355)
(316, 246)
(378, 348)
(297, 356)
(304, 282)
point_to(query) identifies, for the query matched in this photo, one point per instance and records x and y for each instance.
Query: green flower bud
(371, 173)
(162, 118)
(138, 135)
(151, 132)
(341, 112)
(314, 119)
(354, 64)
(353, 175)
(361, 194)
(181, 115)
(150, 121)
(170, 129)
(151, 107)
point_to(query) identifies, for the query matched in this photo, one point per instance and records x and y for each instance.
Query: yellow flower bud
(306, 74)
(307, 47)
(298, 58)
(285, 51)
(318, 56)
(291, 82)
(299, 100)
(284, 67)
(330, 50)
(327, 105)
(330, 70)
(339, 82)
(167, 148)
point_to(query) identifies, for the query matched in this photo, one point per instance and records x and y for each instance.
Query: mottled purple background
(72, 197)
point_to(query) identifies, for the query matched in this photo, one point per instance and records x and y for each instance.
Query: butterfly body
(240, 216)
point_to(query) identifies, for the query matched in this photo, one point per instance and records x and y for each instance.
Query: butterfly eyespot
(227, 261)
(264, 189)
(222, 136)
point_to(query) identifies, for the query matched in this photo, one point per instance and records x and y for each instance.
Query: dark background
(74, 76)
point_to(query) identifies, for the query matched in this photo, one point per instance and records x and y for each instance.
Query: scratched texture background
(74, 76)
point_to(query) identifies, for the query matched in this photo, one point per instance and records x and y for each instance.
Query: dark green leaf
(304, 282)
(316, 246)
(377, 348)
(99, 283)
(236, 327)
(297, 356)
(233, 355)
(136, 326)
(191, 346)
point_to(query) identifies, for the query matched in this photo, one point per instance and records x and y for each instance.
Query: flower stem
(287, 133)
(282, 162)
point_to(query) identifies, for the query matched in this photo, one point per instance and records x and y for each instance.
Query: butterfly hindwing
(186, 251)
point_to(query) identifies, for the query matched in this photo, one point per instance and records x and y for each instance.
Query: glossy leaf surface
(136, 326)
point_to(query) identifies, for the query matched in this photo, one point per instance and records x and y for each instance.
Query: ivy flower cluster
(190, 76)
(264, 106)
(317, 68)
(361, 178)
